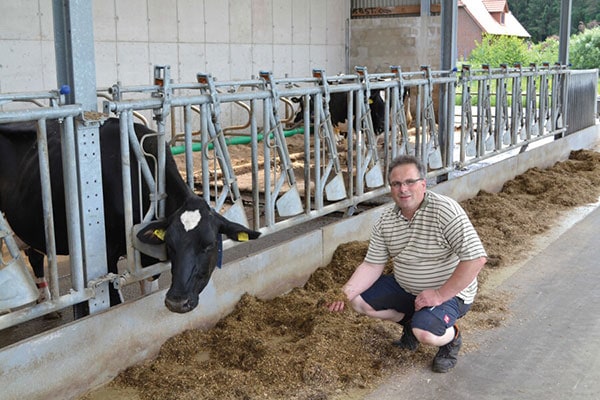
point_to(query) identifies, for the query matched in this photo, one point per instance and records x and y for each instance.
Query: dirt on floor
(291, 347)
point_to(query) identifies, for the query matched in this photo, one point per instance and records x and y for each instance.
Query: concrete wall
(409, 42)
(232, 39)
(70, 360)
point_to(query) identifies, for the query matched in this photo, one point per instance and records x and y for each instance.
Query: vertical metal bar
(516, 108)
(189, 153)
(529, 97)
(74, 50)
(450, 96)
(425, 8)
(480, 117)
(543, 108)
(350, 147)
(125, 124)
(269, 201)
(160, 173)
(449, 29)
(564, 32)
(448, 63)
(564, 88)
(47, 206)
(394, 128)
(317, 112)
(486, 110)
(360, 168)
(307, 152)
(499, 114)
(69, 156)
(417, 119)
(75, 67)
(348, 37)
(466, 117)
(204, 116)
(386, 131)
(254, 155)
(555, 100)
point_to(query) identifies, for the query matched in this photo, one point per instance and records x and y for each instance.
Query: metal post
(75, 65)
(425, 8)
(448, 63)
(564, 32)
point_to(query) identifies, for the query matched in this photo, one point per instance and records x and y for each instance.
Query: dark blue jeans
(386, 294)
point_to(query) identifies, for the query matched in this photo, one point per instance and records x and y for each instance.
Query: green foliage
(584, 49)
(495, 50)
(546, 51)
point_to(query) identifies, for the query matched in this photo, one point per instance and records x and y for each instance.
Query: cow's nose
(178, 305)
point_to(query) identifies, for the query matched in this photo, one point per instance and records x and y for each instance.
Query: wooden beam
(392, 11)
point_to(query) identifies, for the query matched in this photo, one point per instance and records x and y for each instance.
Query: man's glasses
(407, 183)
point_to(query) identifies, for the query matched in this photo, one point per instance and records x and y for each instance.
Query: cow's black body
(338, 109)
(21, 201)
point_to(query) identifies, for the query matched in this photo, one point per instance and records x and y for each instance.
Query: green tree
(541, 18)
(495, 50)
(584, 49)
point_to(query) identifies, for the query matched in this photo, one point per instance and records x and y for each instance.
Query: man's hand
(428, 298)
(336, 300)
(337, 306)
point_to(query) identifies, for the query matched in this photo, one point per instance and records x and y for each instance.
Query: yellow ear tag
(242, 237)
(370, 101)
(160, 233)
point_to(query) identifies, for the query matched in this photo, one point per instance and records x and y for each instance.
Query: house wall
(470, 32)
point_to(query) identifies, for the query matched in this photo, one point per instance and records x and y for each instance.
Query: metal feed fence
(450, 120)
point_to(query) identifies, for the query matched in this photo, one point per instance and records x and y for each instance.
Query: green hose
(233, 140)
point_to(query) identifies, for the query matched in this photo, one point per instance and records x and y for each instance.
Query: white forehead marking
(190, 219)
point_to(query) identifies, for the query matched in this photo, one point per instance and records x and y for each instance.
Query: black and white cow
(191, 231)
(338, 109)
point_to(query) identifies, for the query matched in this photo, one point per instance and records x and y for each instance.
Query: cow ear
(237, 232)
(153, 233)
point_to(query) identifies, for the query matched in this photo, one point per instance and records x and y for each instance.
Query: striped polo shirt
(426, 250)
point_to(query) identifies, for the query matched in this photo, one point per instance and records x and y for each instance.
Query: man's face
(407, 188)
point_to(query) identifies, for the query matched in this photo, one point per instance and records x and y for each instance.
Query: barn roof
(481, 11)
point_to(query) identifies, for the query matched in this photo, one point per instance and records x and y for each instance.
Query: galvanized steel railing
(459, 119)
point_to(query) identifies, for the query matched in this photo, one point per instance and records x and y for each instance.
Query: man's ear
(153, 233)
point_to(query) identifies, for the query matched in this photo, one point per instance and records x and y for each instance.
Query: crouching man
(436, 255)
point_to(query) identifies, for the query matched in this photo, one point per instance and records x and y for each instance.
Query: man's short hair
(406, 159)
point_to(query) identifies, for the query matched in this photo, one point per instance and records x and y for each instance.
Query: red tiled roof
(495, 5)
(481, 15)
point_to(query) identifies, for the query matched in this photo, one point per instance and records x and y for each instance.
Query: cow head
(299, 117)
(192, 235)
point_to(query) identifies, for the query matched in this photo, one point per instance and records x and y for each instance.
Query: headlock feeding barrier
(449, 119)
